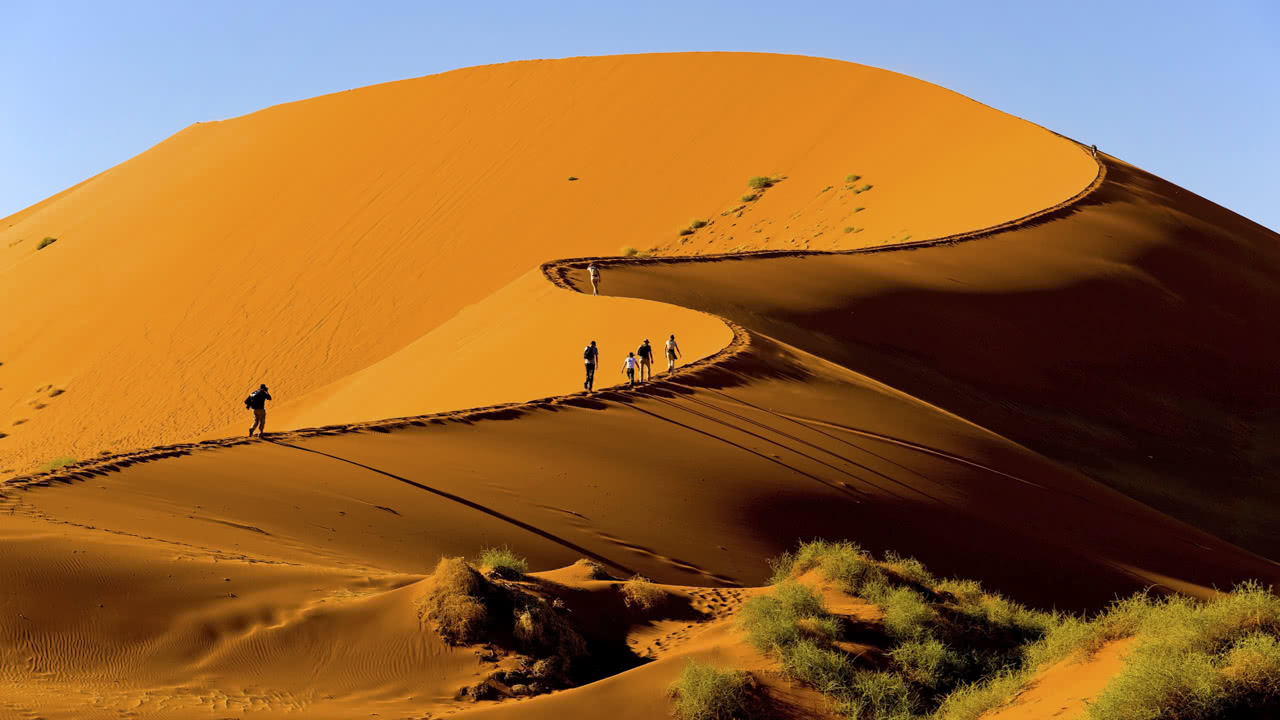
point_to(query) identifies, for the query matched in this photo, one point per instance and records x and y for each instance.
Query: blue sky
(1187, 90)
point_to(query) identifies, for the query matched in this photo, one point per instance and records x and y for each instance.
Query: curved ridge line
(556, 272)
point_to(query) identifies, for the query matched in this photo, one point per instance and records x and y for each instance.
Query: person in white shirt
(629, 367)
(673, 352)
(594, 273)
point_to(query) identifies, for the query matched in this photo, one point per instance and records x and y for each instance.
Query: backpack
(643, 351)
(248, 402)
(586, 354)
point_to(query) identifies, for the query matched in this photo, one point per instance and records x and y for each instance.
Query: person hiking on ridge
(645, 351)
(594, 273)
(673, 352)
(590, 358)
(257, 402)
(629, 367)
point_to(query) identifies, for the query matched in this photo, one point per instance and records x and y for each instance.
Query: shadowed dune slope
(305, 243)
(1131, 338)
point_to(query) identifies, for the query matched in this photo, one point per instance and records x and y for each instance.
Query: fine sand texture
(1057, 386)
(308, 242)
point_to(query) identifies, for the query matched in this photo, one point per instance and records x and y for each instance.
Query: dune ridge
(260, 570)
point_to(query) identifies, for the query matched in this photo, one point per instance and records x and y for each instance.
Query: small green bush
(703, 692)
(695, 224)
(864, 188)
(46, 243)
(827, 188)
(852, 178)
(686, 231)
(503, 561)
(859, 209)
(760, 182)
(628, 251)
(848, 229)
(749, 197)
(58, 463)
(572, 178)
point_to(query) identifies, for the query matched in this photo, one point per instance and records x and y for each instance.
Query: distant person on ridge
(257, 402)
(594, 273)
(590, 358)
(629, 367)
(673, 352)
(645, 351)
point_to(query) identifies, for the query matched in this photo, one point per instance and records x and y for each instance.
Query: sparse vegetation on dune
(760, 182)
(503, 561)
(455, 604)
(57, 463)
(572, 178)
(703, 692)
(749, 197)
(852, 178)
(509, 616)
(956, 650)
(695, 224)
(46, 243)
(628, 251)
(640, 592)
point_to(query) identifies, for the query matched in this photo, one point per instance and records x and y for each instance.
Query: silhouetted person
(594, 273)
(673, 352)
(590, 358)
(645, 351)
(629, 367)
(1095, 151)
(257, 402)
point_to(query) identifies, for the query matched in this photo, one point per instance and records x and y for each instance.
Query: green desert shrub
(503, 561)
(760, 182)
(852, 178)
(1199, 661)
(695, 224)
(628, 251)
(792, 612)
(859, 209)
(686, 231)
(58, 463)
(703, 692)
(572, 178)
(46, 243)
(749, 197)
(848, 229)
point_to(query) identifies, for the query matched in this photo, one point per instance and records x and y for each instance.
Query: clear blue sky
(1188, 90)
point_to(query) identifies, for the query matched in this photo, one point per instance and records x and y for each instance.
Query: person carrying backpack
(590, 358)
(257, 402)
(645, 351)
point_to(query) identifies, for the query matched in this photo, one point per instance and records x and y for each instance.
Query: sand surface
(1038, 406)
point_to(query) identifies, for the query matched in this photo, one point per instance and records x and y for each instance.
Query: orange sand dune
(305, 243)
(1129, 338)
(957, 402)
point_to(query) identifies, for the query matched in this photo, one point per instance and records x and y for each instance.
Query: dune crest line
(557, 273)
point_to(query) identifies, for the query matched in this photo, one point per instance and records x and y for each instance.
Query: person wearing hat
(257, 402)
(645, 351)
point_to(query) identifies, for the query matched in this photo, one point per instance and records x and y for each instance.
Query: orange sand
(956, 402)
(305, 243)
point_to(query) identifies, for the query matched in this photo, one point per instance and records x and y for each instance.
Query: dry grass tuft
(640, 592)
(455, 602)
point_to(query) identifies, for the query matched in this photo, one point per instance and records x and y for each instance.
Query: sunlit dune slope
(1130, 337)
(305, 243)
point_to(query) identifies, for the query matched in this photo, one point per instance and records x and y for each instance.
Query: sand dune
(305, 243)
(980, 401)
